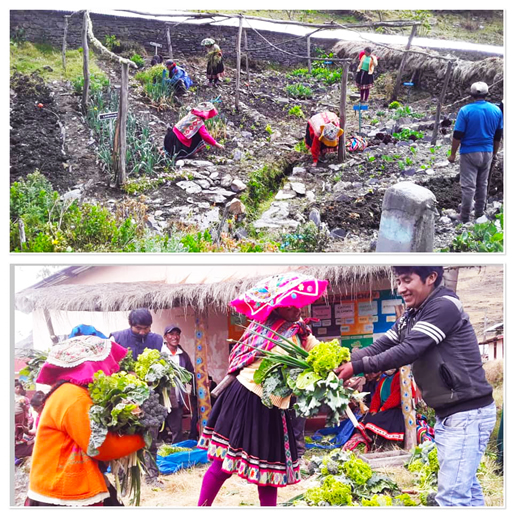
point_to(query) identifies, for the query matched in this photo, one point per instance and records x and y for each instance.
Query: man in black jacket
(172, 335)
(436, 337)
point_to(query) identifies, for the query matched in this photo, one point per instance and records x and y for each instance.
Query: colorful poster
(356, 341)
(366, 308)
(321, 312)
(344, 310)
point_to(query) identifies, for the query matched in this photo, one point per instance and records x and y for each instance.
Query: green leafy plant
(394, 105)
(481, 238)
(112, 43)
(307, 238)
(408, 134)
(296, 111)
(138, 60)
(298, 91)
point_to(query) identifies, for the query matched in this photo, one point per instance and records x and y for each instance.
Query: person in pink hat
(242, 435)
(190, 134)
(62, 473)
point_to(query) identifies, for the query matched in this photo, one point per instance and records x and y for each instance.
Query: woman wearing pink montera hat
(242, 435)
(62, 474)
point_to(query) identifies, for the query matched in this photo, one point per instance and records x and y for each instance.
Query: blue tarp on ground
(342, 434)
(177, 461)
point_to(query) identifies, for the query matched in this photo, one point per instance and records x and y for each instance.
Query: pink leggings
(215, 478)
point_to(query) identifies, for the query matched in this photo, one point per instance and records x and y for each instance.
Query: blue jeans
(461, 440)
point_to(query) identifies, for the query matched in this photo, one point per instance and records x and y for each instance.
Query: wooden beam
(395, 93)
(169, 45)
(451, 278)
(441, 98)
(64, 42)
(308, 53)
(85, 46)
(119, 151)
(49, 325)
(342, 110)
(201, 372)
(237, 83)
(246, 52)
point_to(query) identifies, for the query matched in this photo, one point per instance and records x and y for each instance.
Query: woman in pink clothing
(190, 135)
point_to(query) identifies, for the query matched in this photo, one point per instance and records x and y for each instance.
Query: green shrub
(408, 134)
(97, 82)
(296, 111)
(138, 60)
(394, 105)
(307, 238)
(112, 43)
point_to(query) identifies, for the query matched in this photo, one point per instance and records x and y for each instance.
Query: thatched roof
(112, 297)
(489, 70)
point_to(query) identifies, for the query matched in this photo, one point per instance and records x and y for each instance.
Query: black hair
(37, 399)
(140, 316)
(367, 49)
(18, 383)
(423, 272)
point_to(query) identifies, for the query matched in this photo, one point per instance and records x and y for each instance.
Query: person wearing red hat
(62, 473)
(190, 134)
(242, 435)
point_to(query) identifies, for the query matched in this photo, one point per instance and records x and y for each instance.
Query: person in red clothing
(190, 135)
(322, 134)
(384, 422)
(62, 473)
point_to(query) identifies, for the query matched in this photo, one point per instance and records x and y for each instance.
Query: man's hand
(344, 371)
(451, 158)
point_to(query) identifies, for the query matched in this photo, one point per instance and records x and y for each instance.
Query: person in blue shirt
(176, 77)
(478, 134)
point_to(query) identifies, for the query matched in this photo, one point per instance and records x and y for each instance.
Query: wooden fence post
(343, 97)
(448, 73)
(85, 46)
(201, 372)
(308, 54)
(395, 93)
(64, 42)
(119, 150)
(169, 45)
(246, 53)
(237, 83)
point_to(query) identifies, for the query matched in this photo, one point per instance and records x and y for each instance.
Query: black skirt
(174, 147)
(364, 80)
(250, 439)
(388, 424)
(215, 71)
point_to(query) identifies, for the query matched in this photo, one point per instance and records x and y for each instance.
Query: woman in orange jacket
(62, 474)
(365, 73)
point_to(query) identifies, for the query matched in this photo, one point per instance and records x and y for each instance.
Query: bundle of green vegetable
(168, 449)
(345, 479)
(424, 465)
(34, 365)
(161, 373)
(124, 404)
(307, 375)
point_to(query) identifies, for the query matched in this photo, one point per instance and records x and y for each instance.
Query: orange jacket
(61, 471)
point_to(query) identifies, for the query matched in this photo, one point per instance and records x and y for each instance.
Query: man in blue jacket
(435, 336)
(139, 336)
(176, 77)
(478, 130)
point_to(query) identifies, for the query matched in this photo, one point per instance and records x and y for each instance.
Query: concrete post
(407, 219)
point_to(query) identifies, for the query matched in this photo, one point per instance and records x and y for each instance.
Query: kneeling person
(322, 134)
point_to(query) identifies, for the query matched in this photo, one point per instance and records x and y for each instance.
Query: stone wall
(48, 26)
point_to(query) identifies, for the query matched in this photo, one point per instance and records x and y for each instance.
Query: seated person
(384, 422)
(157, 59)
(176, 77)
(322, 134)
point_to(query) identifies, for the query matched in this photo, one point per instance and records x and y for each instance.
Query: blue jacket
(180, 74)
(137, 343)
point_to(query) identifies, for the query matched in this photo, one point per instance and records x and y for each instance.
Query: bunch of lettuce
(308, 376)
(124, 404)
(32, 369)
(424, 465)
(161, 373)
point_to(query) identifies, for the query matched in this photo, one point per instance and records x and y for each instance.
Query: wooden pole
(119, 151)
(169, 45)
(237, 83)
(49, 325)
(64, 42)
(343, 97)
(395, 93)
(407, 406)
(85, 46)
(448, 73)
(201, 372)
(246, 53)
(451, 278)
(308, 54)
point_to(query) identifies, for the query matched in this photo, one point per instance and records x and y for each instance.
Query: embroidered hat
(204, 110)
(288, 289)
(77, 359)
(330, 133)
(207, 42)
(479, 88)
